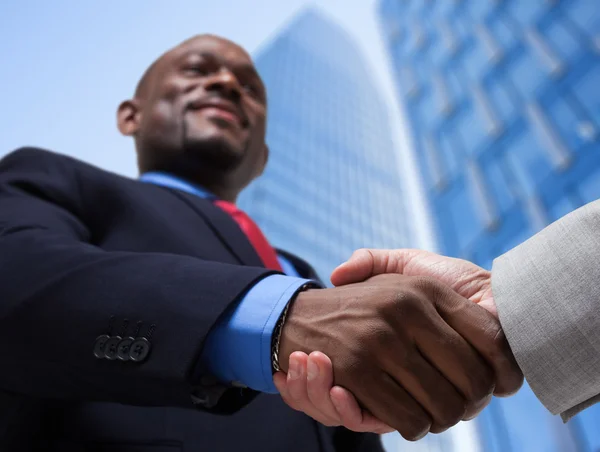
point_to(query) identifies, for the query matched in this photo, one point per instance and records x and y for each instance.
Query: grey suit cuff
(547, 300)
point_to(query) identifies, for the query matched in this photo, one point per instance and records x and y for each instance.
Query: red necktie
(254, 234)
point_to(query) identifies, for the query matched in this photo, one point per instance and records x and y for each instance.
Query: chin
(215, 152)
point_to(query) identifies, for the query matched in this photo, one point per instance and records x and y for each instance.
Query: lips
(221, 109)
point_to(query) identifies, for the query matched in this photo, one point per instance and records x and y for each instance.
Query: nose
(226, 84)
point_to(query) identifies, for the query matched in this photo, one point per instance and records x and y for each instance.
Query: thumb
(356, 269)
(363, 264)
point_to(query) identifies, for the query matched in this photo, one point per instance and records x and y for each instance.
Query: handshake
(407, 340)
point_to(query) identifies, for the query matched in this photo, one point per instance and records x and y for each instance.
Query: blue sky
(66, 65)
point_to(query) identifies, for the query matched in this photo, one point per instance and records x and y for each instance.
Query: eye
(197, 69)
(250, 89)
(253, 90)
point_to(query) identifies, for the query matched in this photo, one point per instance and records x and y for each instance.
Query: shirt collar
(170, 181)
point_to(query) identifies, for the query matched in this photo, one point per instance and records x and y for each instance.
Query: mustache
(218, 101)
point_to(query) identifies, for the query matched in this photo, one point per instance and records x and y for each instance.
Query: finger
(352, 416)
(430, 388)
(320, 381)
(484, 332)
(458, 362)
(297, 390)
(363, 264)
(280, 381)
(393, 405)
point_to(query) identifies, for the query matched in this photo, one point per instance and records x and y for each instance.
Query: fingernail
(313, 370)
(294, 370)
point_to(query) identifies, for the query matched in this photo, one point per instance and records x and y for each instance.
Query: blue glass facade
(503, 105)
(332, 182)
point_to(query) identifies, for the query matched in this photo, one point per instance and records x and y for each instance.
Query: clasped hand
(407, 340)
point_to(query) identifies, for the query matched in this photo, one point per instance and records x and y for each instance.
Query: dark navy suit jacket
(84, 253)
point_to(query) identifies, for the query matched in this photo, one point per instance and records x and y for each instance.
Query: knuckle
(426, 284)
(451, 415)
(481, 385)
(381, 338)
(415, 429)
(329, 422)
(351, 370)
(499, 341)
(407, 358)
(494, 345)
(407, 305)
(436, 429)
(296, 393)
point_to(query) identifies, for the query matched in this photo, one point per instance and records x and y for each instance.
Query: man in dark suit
(151, 315)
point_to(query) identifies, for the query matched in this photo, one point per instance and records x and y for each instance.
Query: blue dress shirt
(238, 349)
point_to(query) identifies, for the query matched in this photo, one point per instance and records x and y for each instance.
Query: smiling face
(199, 113)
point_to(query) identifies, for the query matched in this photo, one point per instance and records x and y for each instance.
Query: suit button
(110, 349)
(100, 346)
(139, 349)
(123, 348)
(199, 397)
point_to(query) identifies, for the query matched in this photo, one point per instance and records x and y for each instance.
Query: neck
(219, 191)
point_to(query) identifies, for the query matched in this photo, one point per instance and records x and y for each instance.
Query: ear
(129, 117)
(265, 159)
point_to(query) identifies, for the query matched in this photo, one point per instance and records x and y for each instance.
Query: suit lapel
(224, 227)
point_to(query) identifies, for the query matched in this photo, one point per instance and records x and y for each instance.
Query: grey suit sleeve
(547, 291)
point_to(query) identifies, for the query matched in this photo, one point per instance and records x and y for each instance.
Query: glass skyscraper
(502, 100)
(332, 183)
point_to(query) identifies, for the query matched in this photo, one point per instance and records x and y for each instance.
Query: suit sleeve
(547, 291)
(59, 292)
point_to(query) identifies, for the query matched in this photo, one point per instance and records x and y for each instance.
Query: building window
(434, 164)
(476, 61)
(502, 96)
(587, 94)
(586, 15)
(493, 124)
(549, 138)
(420, 36)
(574, 129)
(410, 82)
(472, 128)
(545, 52)
(504, 30)
(562, 39)
(526, 74)
(449, 37)
(538, 218)
(485, 208)
(490, 44)
(442, 94)
(462, 218)
(528, 162)
(499, 184)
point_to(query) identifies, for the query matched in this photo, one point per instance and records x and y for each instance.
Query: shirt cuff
(238, 349)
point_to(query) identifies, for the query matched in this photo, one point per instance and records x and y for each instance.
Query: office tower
(332, 183)
(503, 107)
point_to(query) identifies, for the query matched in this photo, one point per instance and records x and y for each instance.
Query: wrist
(280, 354)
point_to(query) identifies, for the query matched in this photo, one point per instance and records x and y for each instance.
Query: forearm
(546, 291)
(59, 295)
